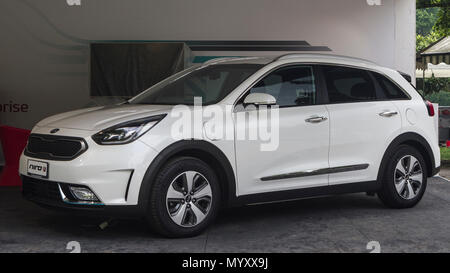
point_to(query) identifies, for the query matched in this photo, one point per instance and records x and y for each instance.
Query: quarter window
(291, 86)
(390, 90)
(345, 84)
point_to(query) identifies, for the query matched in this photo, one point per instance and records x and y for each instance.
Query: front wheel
(184, 199)
(405, 178)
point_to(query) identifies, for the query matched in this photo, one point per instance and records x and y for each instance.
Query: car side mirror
(260, 99)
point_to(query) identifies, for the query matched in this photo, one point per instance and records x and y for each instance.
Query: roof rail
(218, 60)
(293, 55)
(225, 59)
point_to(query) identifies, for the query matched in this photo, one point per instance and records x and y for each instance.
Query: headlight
(126, 132)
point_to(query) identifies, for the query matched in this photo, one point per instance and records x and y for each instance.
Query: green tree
(443, 21)
(425, 20)
(424, 41)
(432, 22)
(421, 4)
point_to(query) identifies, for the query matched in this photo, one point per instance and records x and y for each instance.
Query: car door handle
(388, 113)
(316, 119)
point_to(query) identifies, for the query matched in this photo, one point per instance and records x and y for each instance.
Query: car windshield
(212, 83)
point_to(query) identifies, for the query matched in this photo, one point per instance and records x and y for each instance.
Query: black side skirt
(369, 186)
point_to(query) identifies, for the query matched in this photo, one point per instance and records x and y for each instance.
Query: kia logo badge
(54, 131)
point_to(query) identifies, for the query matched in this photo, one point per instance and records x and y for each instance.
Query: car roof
(297, 57)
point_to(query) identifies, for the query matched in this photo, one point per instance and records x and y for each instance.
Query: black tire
(158, 215)
(388, 193)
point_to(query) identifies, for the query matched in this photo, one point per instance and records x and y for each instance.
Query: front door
(296, 158)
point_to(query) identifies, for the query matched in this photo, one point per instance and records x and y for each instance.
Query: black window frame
(321, 97)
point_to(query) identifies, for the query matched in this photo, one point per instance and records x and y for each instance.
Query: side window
(390, 90)
(291, 86)
(345, 84)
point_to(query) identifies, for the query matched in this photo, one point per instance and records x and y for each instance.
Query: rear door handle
(388, 113)
(316, 119)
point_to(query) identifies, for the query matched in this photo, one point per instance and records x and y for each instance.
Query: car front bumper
(47, 194)
(114, 173)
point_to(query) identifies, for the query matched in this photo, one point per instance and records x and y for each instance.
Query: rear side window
(345, 84)
(390, 90)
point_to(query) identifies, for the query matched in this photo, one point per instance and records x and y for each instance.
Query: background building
(46, 50)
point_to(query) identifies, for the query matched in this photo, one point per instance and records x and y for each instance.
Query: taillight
(430, 108)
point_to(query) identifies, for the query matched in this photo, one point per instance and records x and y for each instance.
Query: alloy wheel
(189, 199)
(408, 176)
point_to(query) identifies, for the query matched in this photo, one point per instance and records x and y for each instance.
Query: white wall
(44, 52)
(405, 37)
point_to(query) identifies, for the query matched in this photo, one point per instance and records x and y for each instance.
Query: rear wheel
(184, 199)
(405, 178)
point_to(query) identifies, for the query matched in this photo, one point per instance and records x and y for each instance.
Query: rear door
(362, 124)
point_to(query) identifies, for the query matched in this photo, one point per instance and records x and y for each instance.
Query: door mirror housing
(260, 99)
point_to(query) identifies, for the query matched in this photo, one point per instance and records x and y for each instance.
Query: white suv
(342, 125)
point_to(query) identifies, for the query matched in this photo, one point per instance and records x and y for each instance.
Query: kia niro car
(333, 125)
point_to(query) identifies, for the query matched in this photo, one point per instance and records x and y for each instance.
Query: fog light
(83, 194)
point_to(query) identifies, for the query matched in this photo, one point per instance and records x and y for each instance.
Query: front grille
(55, 147)
(33, 188)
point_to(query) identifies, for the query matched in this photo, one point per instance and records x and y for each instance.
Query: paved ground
(445, 172)
(335, 224)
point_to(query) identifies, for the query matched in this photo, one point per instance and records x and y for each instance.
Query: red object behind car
(13, 142)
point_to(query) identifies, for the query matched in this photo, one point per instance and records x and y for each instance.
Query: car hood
(98, 118)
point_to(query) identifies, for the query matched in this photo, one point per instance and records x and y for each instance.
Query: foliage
(437, 84)
(437, 90)
(442, 98)
(434, 85)
(443, 22)
(425, 20)
(432, 22)
(421, 4)
(423, 42)
(445, 153)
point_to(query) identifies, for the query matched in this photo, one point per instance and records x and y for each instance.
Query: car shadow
(306, 208)
(326, 205)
